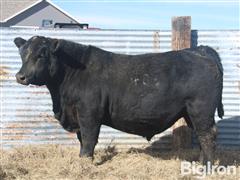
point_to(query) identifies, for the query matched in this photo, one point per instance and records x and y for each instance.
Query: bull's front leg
(79, 138)
(88, 136)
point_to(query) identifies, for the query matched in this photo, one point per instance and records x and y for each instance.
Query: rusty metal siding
(26, 112)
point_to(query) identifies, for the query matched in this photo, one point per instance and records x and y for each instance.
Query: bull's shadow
(227, 152)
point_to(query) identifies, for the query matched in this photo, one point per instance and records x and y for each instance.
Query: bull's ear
(19, 41)
(55, 45)
(68, 52)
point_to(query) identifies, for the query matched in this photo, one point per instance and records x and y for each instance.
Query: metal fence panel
(26, 112)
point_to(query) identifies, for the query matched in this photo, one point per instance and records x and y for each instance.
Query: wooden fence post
(181, 38)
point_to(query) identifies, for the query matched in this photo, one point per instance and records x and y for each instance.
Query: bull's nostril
(22, 78)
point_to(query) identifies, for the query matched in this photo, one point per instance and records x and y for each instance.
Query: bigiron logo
(192, 168)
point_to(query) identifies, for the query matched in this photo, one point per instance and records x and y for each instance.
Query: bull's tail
(217, 59)
(220, 108)
(213, 55)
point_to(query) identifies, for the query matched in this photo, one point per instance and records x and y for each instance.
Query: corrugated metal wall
(26, 116)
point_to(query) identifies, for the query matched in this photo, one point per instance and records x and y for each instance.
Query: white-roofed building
(32, 13)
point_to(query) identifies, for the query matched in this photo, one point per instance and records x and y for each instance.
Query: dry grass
(58, 162)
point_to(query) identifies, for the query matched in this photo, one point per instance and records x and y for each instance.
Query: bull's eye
(40, 59)
(43, 53)
(41, 56)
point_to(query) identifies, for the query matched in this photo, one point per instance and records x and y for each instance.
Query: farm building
(33, 13)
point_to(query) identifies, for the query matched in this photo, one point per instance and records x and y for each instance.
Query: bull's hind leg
(207, 142)
(202, 118)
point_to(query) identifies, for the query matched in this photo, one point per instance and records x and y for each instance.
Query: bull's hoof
(86, 159)
(85, 155)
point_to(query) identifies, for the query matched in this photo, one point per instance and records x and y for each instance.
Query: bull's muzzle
(21, 78)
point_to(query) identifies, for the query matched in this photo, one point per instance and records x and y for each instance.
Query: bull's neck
(55, 95)
(69, 65)
(54, 86)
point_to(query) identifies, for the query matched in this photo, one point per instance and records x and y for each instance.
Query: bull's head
(42, 58)
(38, 60)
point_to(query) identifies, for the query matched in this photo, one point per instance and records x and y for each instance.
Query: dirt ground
(60, 162)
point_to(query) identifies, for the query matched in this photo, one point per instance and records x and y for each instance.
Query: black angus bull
(139, 94)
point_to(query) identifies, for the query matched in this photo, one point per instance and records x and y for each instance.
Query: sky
(153, 14)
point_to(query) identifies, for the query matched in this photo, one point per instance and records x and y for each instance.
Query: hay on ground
(60, 162)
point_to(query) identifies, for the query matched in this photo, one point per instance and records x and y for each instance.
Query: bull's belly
(146, 116)
(145, 126)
